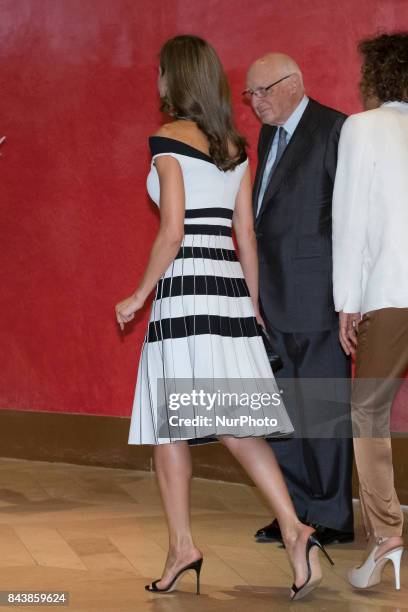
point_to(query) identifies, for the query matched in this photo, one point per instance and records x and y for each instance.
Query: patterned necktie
(268, 172)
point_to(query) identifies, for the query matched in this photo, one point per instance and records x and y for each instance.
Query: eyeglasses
(262, 92)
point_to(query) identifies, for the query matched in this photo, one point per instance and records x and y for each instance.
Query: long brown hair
(197, 89)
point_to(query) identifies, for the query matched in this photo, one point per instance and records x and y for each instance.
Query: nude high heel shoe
(369, 574)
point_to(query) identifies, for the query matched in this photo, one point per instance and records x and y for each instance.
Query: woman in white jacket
(370, 279)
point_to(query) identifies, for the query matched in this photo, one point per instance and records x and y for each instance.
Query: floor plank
(100, 534)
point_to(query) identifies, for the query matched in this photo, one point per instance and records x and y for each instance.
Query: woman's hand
(125, 310)
(348, 324)
(260, 320)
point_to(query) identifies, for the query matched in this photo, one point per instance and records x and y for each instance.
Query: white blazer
(370, 211)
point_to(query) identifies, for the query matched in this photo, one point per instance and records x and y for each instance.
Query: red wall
(78, 101)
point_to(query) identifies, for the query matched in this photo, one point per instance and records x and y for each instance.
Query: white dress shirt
(290, 126)
(370, 211)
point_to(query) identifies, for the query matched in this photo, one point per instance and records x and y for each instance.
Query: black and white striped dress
(202, 331)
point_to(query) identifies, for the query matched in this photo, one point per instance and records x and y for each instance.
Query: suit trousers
(381, 363)
(317, 461)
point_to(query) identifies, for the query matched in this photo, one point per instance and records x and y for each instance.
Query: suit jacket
(370, 211)
(294, 224)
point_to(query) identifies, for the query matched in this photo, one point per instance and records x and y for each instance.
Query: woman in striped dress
(203, 352)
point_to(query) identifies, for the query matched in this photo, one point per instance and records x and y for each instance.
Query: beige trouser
(381, 363)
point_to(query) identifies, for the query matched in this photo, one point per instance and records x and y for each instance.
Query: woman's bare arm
(243, 225)
(171, 231)
(168, 240)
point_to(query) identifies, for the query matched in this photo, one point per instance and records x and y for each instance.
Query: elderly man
(292, 201)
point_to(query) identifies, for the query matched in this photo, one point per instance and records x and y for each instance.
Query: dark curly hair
(197, 89)
(385, 67)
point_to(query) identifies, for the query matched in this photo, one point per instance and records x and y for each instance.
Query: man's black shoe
(269, 533)
(325, 535)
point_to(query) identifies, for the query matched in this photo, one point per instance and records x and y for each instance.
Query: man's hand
(348, 323)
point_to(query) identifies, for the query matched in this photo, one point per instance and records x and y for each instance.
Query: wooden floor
(99, 533)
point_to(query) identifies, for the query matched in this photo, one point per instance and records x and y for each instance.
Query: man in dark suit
(292, 201)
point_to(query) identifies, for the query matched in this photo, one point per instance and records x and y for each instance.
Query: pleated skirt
(203, 366)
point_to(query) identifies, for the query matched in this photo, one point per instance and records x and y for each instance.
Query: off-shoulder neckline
(196, 152)
(180, 143)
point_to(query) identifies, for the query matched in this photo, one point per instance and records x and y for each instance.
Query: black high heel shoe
(195, 565)
(314, 573)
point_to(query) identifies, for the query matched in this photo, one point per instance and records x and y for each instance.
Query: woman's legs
(173, 468)
(258, 460)
(382, 514)
(381, 361)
